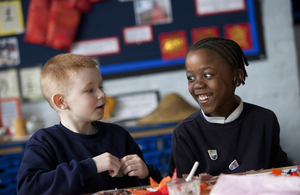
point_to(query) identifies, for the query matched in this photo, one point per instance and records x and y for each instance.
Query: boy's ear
(238, 78)
(59, 101)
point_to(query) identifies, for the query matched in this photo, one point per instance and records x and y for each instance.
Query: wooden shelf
(151, 130)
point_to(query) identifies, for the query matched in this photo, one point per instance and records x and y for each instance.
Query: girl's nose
(199, 84)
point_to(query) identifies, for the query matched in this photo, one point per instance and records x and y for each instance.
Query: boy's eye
(90, 90)
(101, 88)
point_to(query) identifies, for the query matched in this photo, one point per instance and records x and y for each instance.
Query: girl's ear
(59, 101)
(238, 78)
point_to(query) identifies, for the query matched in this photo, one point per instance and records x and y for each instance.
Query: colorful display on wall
(130, 37)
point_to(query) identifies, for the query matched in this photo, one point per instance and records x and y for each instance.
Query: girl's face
(211, 82)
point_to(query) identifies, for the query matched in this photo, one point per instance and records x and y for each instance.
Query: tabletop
(264, 171)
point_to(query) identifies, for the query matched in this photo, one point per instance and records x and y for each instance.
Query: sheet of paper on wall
(97, 47)
(9, 53)
(10, 109)
(11, 18)
(30, 83)
(134, 106)
(207, 7)
(9, 85)
(138, 34)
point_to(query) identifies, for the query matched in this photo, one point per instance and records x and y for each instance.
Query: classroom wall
(272, 83)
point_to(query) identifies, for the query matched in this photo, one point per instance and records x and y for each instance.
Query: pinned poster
(153, 12)
(9, 84)
(173, 44)
(11, 18)
(240, 33)
(30, 83)
(9, 54)
(205, 32)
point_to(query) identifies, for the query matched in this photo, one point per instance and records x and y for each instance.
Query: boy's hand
(107, 162)
(133, 165)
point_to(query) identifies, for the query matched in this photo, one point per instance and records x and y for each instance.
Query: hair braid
(228, 49)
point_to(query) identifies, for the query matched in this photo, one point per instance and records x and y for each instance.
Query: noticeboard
(127, 40)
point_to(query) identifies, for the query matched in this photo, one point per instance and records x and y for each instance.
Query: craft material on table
(191, 174)
(182, 187)
(259, 184)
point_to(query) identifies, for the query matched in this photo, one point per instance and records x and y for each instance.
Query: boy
(81, 154)
(226, 135)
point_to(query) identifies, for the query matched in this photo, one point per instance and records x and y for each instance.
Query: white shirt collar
(234, 115)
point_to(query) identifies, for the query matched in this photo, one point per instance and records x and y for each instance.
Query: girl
(226, 135)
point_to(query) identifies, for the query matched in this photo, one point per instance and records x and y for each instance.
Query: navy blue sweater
(59, 161)
(252, 140)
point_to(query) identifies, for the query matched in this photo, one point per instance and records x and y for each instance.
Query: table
(210, 187)
(251, 173)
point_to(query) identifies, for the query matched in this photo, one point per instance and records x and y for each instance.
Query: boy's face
(86, 100)
(211, 82)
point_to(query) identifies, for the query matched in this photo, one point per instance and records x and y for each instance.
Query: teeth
(203, 97)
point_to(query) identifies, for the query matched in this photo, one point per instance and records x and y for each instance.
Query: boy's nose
(101, 95)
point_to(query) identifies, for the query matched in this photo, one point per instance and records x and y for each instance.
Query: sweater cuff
(88, 168)
(145, 181)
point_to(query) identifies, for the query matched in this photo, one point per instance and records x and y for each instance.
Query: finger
(126, 169)
(111, 173)
(126, 162)
(133, 170)
(131, 173)
(128, 158)
(132, 165)
(114, 170)
(114, 165)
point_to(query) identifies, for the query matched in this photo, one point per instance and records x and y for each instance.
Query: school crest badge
(213, 154)
(233, 165)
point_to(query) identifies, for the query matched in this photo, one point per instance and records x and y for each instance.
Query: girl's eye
(90, 90)
(190, 78)
(101, 88)
(207, 75)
